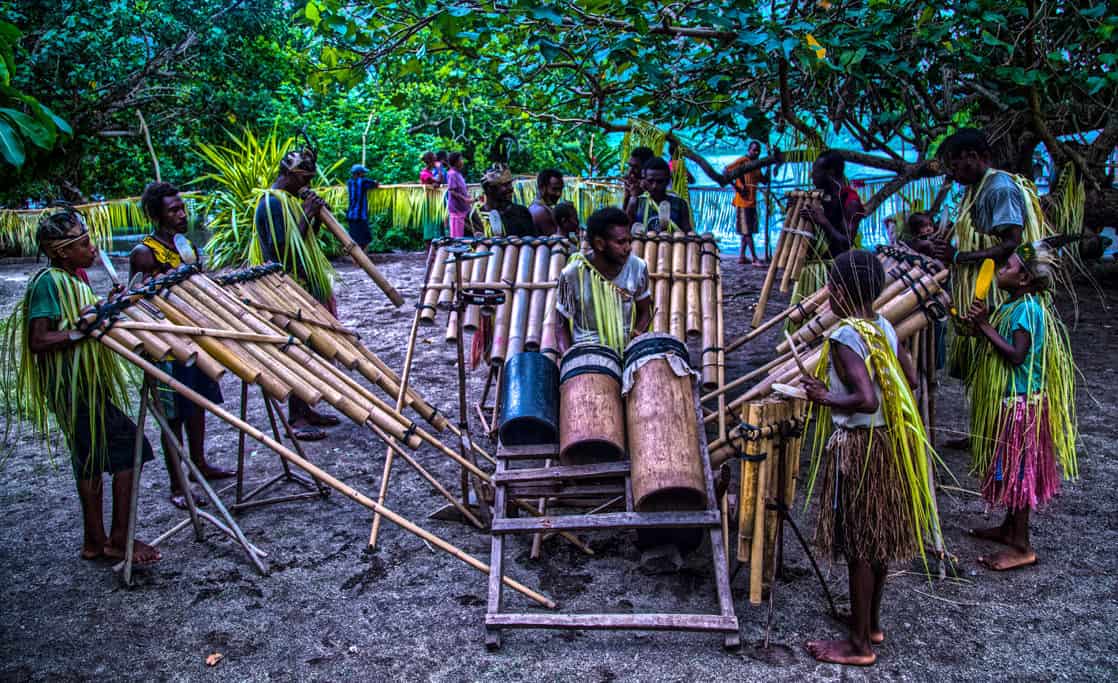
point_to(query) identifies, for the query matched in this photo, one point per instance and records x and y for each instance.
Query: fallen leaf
(213, 659)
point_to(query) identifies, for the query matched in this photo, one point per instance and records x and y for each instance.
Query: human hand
(944, 251)
(813, 213)
(312, 204)
(815, 389)
(978, 314)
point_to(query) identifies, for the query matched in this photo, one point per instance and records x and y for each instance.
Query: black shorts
(178, 407)
(359, 231)
(114, 446)
(747, 220)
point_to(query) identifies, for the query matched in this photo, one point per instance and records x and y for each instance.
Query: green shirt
(1025, 314)
(43, 302)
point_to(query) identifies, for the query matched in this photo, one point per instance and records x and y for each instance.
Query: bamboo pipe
(359, 256)
(651, 249)
(778, 260)
(472, 316)
(677, 288)
(694, 325)
(255, 301)
(803, 308)
(518, 314)
(757, 544)
(427, 310)
(662, 292)
(206, 332)
(492, 273)
(778, 462)
(747, 490)
(288, 289)
(709, 357)
(184, 350)
(548, 342)
(451, 337)
(792, 454)
(798, 246)
(449, 282)
(719, 313)
(537, 298)
(315, 472)
(417, 403)
(501, 320)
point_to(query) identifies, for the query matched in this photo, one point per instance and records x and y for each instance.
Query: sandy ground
(332, 610)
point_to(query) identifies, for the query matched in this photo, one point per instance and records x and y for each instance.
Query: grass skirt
(863, 511)
(1023, 473)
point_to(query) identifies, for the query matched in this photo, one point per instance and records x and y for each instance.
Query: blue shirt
(999, 206)
(1026, 313)
(358, 187)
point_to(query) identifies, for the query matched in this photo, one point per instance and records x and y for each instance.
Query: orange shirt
(746, 186)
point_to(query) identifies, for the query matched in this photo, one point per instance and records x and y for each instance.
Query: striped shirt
(358, 205)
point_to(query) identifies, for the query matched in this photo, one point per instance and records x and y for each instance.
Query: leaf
(310, 11)
(36, 132)
(10, 146)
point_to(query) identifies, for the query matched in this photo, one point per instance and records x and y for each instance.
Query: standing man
(632, 180)
(357, 215)
(549, 189)
(498, 215)
(286, 222)
(154, 255)
(645, 209)
(745, 174)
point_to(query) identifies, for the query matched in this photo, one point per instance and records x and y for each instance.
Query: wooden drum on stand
(591, 413)
(663, 434)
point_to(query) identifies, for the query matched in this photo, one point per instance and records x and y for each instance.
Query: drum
(529, 400)
(663, 436)
(591, 414)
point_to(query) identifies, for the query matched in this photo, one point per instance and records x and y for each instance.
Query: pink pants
(457, 225)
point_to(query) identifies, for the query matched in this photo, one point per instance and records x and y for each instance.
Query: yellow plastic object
(985, 279)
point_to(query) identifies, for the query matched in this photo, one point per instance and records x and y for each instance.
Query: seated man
(82, 383)
(154, 255)
(625, 314)
(645, 209)
(549, 188)
(499, 215)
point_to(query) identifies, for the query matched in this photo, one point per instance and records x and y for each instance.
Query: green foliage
(24, 120)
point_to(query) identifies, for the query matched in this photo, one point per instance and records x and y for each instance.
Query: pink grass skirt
(1023, 473)
(457, 225)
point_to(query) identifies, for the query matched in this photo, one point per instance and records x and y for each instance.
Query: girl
(1022, 402)
(876, 505)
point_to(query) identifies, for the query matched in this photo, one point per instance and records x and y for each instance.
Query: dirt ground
(332, 610)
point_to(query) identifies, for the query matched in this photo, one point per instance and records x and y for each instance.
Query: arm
(685, 219)
(852, 373)
(1014, 353)
(643, 318)
(43, 338)
(1010, 236)
(543, 221)
(141, 260)
(562, 333)
(907, 365)
(834, 235)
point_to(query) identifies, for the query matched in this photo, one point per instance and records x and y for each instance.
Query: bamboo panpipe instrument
(779, 256)
(206, 332)
(184, 349)
(804, 236)
(314, 471)
(358, 255)
(430, 296)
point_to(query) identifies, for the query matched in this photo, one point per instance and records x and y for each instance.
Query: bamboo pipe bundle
(795, 313)
(518, 313)
(757, 542)
(538, 298)
(747, 490)
(430, 297)
(547, 339)
(804, 234)
(359, 256)
(780, 256)
(184, 350)
(709, 302)
(694, 315)
(662, 287)
(509, 267)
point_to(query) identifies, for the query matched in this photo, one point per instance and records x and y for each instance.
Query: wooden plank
(558, 490)
(605, 469)
(609, 520)
(647, 622)
(539, 451)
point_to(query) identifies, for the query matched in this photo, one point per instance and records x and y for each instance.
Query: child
(1022, 402)
(876, 505)
(80, 382)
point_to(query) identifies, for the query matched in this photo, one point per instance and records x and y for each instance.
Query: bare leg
(118, 535)
(196, 437)
(93, 525)
(999, 534)
(1020, 552)
(880, 571)
(178, 485)
(855, 651)
(300, 415)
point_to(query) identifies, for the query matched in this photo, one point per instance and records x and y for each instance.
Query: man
(746, 176)
(81, 383)
(357, 215)
(645, 209)
(632, 180)
(566, 219)
(285, 233)
(154, 255)
(549, 190)
(842, 210)
(611, 261)
(499, 215)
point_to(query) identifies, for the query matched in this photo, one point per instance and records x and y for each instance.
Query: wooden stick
(207, 332)
(315, 472)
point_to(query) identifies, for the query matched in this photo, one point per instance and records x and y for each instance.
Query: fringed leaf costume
(877, 503)
(1023, 418)
(609, 310)
(80, 380)
(303, 258)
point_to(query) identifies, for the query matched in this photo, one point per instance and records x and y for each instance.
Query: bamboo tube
(451, 337)
(792, 457)
(651, 249)
(359, 256)
(518, 314)
(555, 268)
(391, 384)
(315, 472)
(662, 293)
(501, 319)
(719, 316)
(427, 309)
(182, 348)
(312, 308)
(777, 485)
(694, 315)
(747, 490)
(779, 257)
(797, 246)
(492, 273)
(450, 279)
(473, 312)
(637, 247)
(757, 545)
(206, 332)
(796, 313)
(536, 299)
(677, 298)
(709, 357)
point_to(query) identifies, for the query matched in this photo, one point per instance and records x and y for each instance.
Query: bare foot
(210, 472)
(304, 432)
(92, 552)
(142, 553)
(179, 500)
(997, 534)
(840, 652)
(317, 419)
(877, 636)
(1011, 558)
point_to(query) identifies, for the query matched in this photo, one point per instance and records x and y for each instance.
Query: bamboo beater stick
(358, 255)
